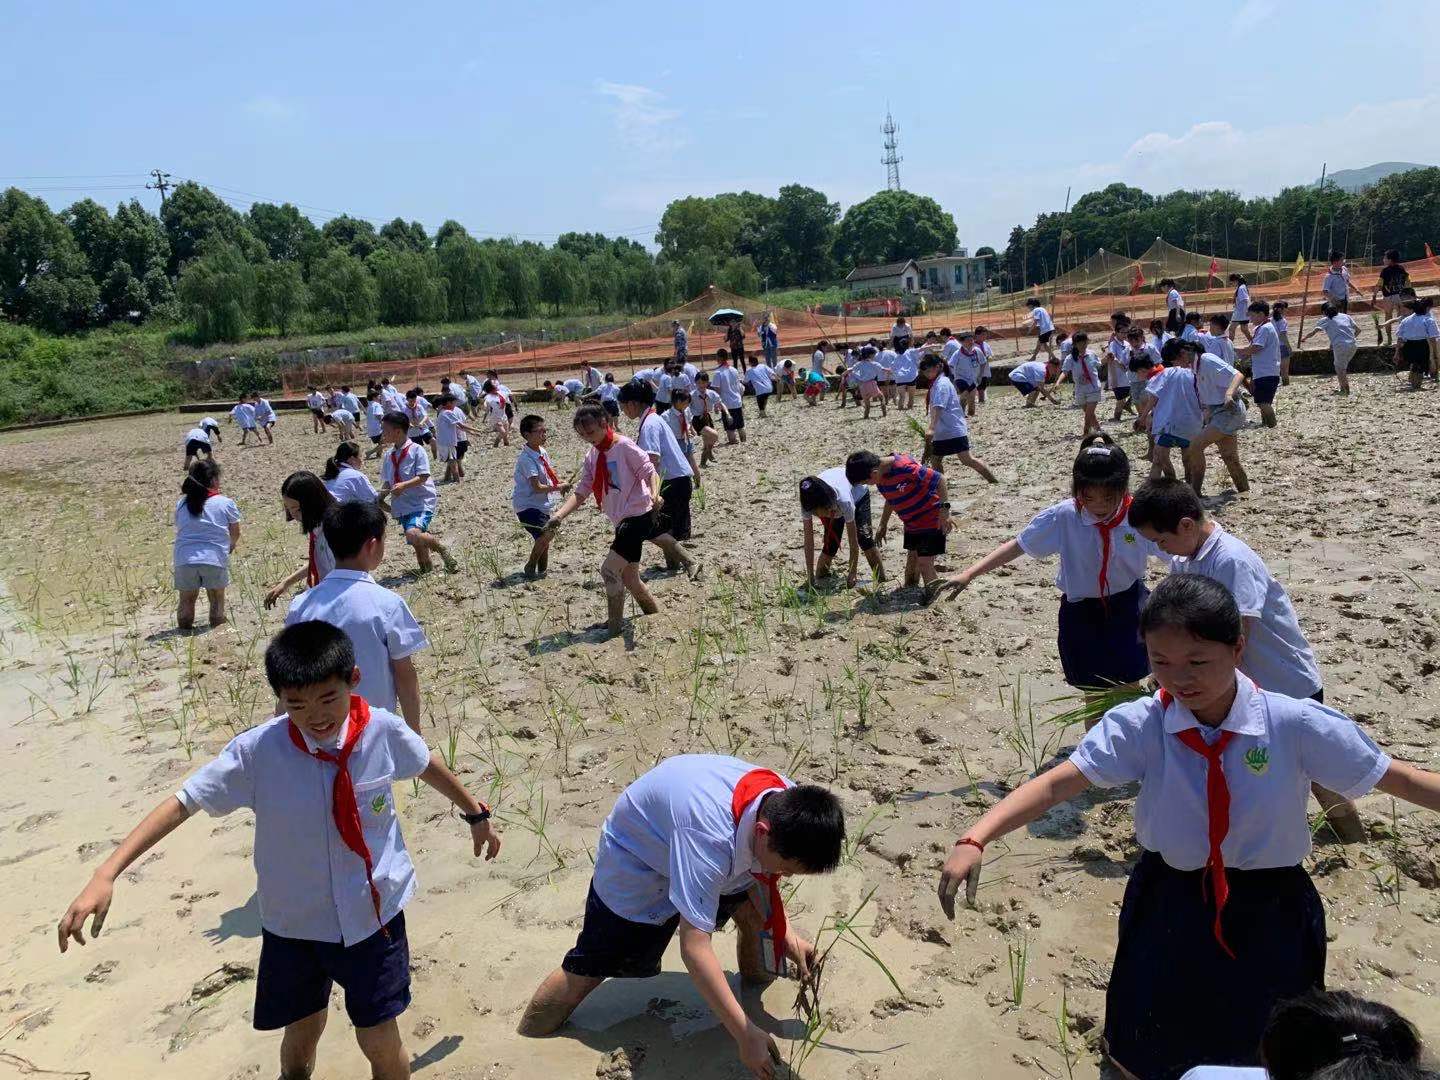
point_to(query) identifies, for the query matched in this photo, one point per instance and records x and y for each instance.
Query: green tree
(288, 235)
(451, 228)
(519, 279)
(342, 291)
(44, 276)
(562, 281)
(691, 224)
(697, 273)
(411, 237)
(798, 238)
(353, 234)
(602, 281)
(983, 251)
(409, 286)
(893, 225)
(94, 232)
(1405, 209)
(195, 217)
(583, 245)
(280, 295)
(471, 277)
(740, 276)
(141, 244)
(217, 291)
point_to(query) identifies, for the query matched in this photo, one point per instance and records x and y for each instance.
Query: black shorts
(317, 414)
(674, 515)
(631, 534)
(1415, 353)
(835, 530)
(374, 440)
(925, 542)
(424, 438)
(1265, 388)
(736, 422)
(703, 421)
(295, 977)
(612, 947)
(761, 399)
(1046, 337)
(1025, 388)
(195, 446)
(946, 447)
(460, 447)
(964, 387)
(1121, 392)
(612, 407)
(534, 521)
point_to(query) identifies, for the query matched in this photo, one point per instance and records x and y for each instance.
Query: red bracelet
(972, 842)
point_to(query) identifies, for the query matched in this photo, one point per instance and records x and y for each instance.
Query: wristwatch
(476, 819)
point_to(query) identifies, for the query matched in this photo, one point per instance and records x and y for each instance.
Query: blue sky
(529, 120)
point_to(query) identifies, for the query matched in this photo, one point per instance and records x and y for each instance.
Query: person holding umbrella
(735, 340)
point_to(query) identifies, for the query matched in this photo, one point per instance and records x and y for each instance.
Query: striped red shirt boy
(912, 492)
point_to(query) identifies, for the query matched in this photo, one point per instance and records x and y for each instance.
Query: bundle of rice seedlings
(1097, 701)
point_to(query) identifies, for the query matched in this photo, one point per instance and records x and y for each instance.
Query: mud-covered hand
(759, 1053)
(487, 840)
(961, 868)
(94, 900)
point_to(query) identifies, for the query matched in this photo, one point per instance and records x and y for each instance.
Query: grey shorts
(1228, 419)
(199, 576)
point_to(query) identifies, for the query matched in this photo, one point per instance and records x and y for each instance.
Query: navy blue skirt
(1100, 643)
(1175, 999)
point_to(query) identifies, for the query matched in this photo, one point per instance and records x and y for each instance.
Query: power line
(80, 176)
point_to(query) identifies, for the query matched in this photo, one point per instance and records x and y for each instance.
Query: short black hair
(1221, 320)
(530, 422)
(396, 419)
(1336, 253)
(1393, 254)
(1171, 349)
(1199, 605)
(1162, 504)
(447, 396)
(308, 653)
(930, 360)
(638, 391)
(591, 414)
(679, 393)
(1032, 302)
(860, 465)
(816, 494)
(1337, 1029)
(807, 825)
(982, 329)
(1260, 306)
(349, 525)
(1100, 464)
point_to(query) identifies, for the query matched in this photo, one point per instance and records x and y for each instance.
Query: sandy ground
(919, 718)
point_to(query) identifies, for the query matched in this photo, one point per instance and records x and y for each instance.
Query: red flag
(1214, 270)
(1139, 281)
(1429, 254)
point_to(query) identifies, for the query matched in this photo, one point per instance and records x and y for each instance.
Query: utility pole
(892, 159)
(161, 184)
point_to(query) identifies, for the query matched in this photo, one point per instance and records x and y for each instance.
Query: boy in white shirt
(344, 421)
(244, 414)
(1030, 378)
(405, 484)
(450, 441)
(1263, 352)
(1171, 408)
(726, 381)
(981, 343)
(536, 493)
(264, 416)
(1044, 328)
(946, 432)
(333, 874)
(1337, 285)
(694, 842)
(705, 405)
(316, 402)
(417, 409)
(964, 369)
(609, 395)
(378, 622)
(1217, 342)
(473, 391)
(677, 478)
(1340, 329)
(374, 413)
(761, 380)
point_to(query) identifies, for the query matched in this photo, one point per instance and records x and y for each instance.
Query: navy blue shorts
(296, 976)
(1265, 388)
(612, 947)
(946, 447)
(964, 386)
(1099, 643)
(1025, 388)
(925, 543)
(534, 521)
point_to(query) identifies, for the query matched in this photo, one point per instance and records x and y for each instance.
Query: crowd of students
(1220, 959)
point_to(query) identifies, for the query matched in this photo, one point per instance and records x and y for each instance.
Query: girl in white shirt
(1171, 406)
(1083, 368)
(497, 413)
(1417, 342)
(344, 480)
(1216, 384)
(1174, 306)
(450, 441)
(1340, 329)
(1102, 569)
(1240, 316)
(1220, 921)
(305, 499)
(1282, 331)
(374, 413)
(1044, 328)
(207, 528)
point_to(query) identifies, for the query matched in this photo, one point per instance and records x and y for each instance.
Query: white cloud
(642, 121)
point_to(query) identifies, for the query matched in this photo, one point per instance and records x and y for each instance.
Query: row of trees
(1402, 211)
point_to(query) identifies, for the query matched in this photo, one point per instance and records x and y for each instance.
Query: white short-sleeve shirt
(1416, 327)
(965, 366)
(1336, 285)
(419, 414)
(374, 413)
(311, 886)
(1276, 656)
(817, 360)
(950, 424)
(196, 434)
(1280, 745)
(1174, 300)
(351, 485)
(761, 379)
(378, 622)
(1177, 404)
(446, 431)
(1340, 329)
(244, 415)
(609, 391)
(671, 844)
(343, 417)
(413, 461)
(1041, 318)
(1218, 345)
(1265, 360)
(1031, 371)
(1212, 377)
(907, 365)
(1084, 369)
(847, 495)
(657, 440)
(530, 463)
(1073, 534)
(264, 411)
(204, 539)
(726, 381)
(1241, 311)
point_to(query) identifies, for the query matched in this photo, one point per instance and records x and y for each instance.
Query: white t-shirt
(351, 485)
(196, 434)
(1174, 300)
(530, 463)
(761, 379)
(1336, 285)
(374, 413)
(575, 386)
(950, 424)
(846, 493)
(1074, 535)
(864, 371)
(413, 461)
(657, 440)
(204, 539)
(264, 411)
(343, 417)
(965, 366)
(1416, 327)
(474, 387)
(244, 415)
(446, 432)
(900, 331)
(1190, 333)
(1225, 1072)
(817, 360)
(887, 359)
(678, 420)
(671, 844)
(1218, 345)
(1177, 405)
(351, 402)
(494, 408)
(1212, 377)
(1265, 360)
(419, 414)
(1340, 330)
(1276, 656)
(1241, 311)
(315, 399)
(726, 381)
(1031, 372)
(593, 378)
(1041, 318)
(1084, 369)
(703, 401)
(608, 391)
(907, 365)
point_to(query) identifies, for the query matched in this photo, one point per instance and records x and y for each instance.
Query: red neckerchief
(550, 473)
(684, 425)
(1085, 366)
(751, 786)
(344, 808)
(602, 474)
(1217, 803)
(397, 458)
(1106, 527)
(312, 572)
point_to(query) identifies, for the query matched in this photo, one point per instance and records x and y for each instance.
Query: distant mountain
(1353, 180)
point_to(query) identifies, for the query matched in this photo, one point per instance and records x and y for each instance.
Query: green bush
(112, 370)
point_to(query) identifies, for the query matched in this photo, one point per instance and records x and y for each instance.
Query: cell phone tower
(891, 159)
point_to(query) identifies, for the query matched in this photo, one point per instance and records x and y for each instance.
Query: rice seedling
(1062, 1029)
(1019, 957)
(1029, 739)
(850, 848)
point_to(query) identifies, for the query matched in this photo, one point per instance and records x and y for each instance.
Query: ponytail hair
(312, 495)
(345, 453)
(200, 482)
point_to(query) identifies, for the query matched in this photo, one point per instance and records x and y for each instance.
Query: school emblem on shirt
(1129, 538)
(377, 804)
(1257, 760)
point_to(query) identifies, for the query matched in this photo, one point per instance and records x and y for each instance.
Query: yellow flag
(1299, 265)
